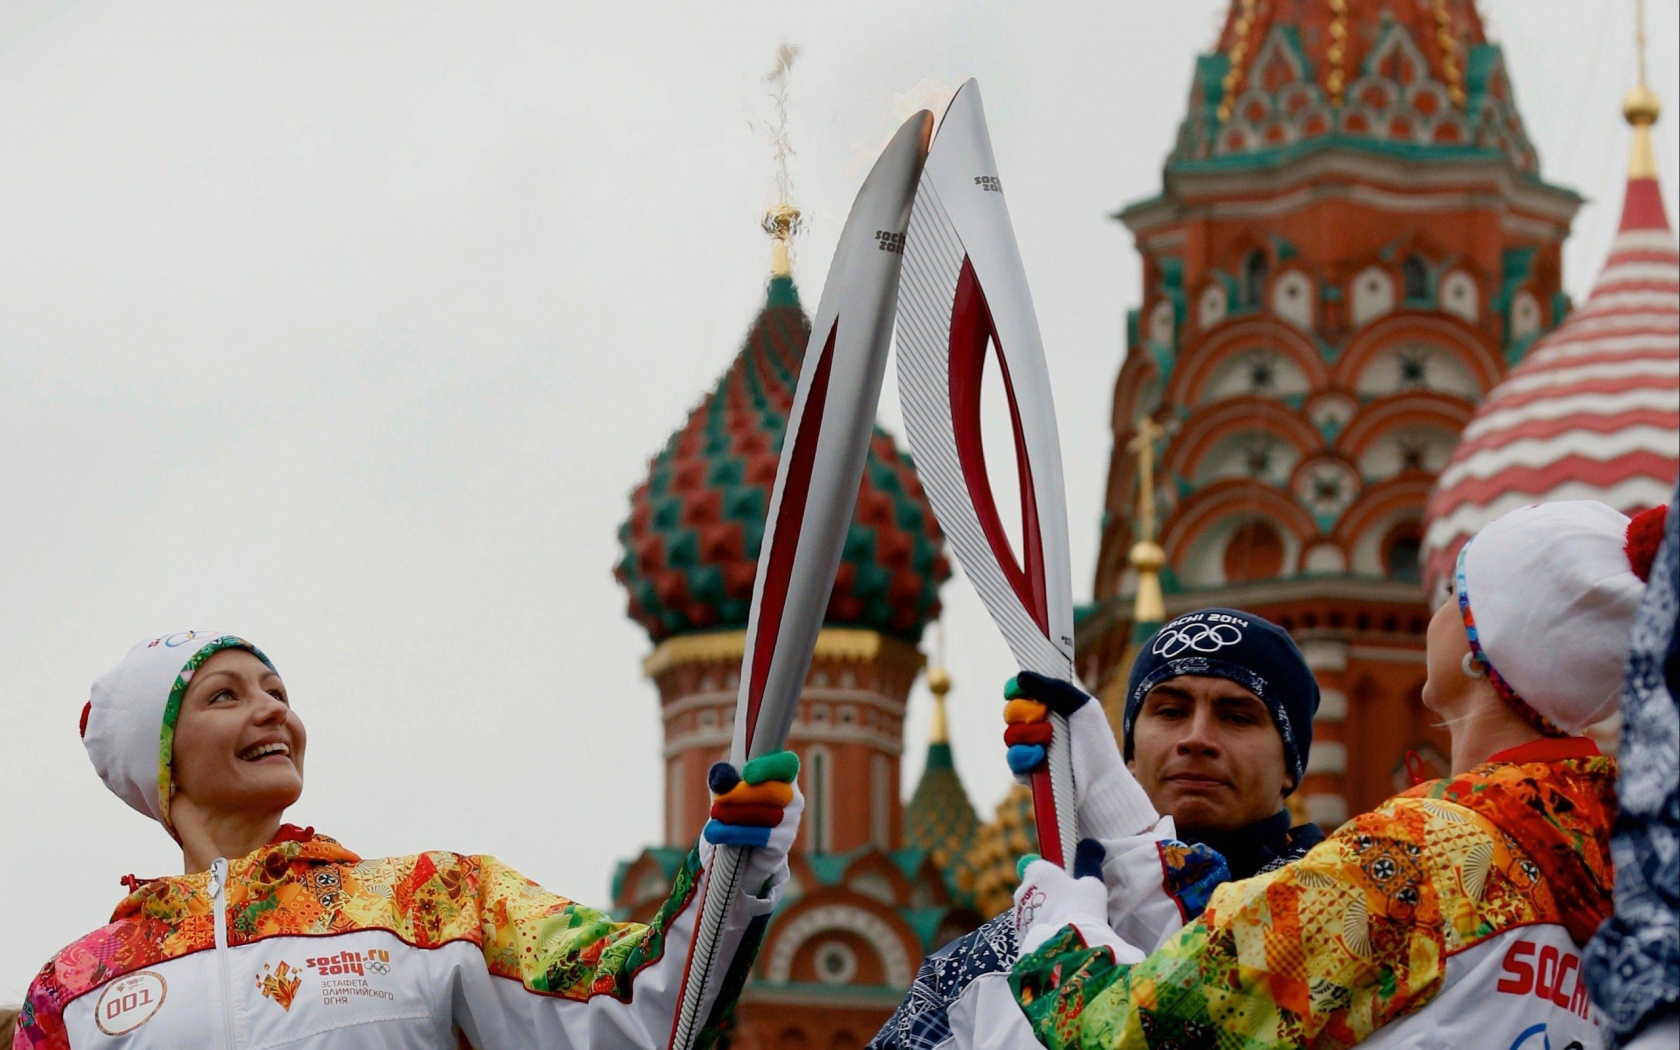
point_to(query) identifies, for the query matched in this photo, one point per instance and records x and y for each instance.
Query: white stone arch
(1394, 450)
(1212, 305)
(1394, 370)
(1460, 296)
(847, 918)
(1161, 323)
(1235, 375)
(1366, 556)
(1204, 562)
(874, 885)
(1525, 315)
(1373, 294)
(1293, 298)
(1258, 454)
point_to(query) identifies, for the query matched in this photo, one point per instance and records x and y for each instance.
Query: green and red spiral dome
(691, 544)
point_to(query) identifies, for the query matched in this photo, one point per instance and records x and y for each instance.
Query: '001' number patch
(129, 1002)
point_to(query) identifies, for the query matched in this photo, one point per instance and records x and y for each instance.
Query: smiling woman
(276, 935)
(238, 760)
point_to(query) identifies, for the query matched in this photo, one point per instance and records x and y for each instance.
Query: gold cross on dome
(1146, 432)
(1146, 556)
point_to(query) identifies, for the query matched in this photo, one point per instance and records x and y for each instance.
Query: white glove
(1049, 899)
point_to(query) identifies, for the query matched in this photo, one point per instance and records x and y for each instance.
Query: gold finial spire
(1641, 108)
(781, 222)
(1146, 556)
(939, 683)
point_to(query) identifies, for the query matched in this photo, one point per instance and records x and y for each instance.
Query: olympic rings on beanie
(1240, 647)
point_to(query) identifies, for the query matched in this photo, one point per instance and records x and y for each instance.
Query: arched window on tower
(1401, 552)
(880, 801)
(793, 1039)
(819, 814)
(1255, 271)
(1414, 276)
(674, 830)
(1254, 552)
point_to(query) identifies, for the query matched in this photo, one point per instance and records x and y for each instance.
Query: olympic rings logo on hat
(1177, 639)
(180, 638)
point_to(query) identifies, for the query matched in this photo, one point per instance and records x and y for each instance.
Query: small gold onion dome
(1641, 107)
(939, 681)
(1147, 556)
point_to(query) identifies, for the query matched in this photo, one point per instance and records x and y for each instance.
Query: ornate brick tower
(1351, 246)
(862, 907)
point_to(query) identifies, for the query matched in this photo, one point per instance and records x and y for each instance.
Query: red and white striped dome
(1593, 411)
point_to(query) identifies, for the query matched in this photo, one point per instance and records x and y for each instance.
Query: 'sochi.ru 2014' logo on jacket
(374, 961)
(1201, 633)
(344, 978)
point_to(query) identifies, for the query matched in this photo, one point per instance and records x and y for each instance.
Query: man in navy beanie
(1217, 728)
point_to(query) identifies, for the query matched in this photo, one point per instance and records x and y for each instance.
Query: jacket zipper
(218, 890)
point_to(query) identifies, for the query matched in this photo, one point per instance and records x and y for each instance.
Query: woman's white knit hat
(1548, 595)
(128, 725)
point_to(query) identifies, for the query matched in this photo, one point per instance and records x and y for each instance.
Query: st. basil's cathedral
(1351, 349)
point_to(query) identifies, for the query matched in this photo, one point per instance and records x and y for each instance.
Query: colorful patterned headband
(1538, 721)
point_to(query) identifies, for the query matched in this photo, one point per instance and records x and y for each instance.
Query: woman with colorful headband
(1454, 914)
(278, 936)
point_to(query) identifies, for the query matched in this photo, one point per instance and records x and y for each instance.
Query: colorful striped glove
(1110, 802)
(757, 807)
(1031, 699)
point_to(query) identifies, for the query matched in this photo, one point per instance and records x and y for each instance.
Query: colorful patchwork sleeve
(40, 1023)
(1322, 952)
(574, 979)
(559, 947)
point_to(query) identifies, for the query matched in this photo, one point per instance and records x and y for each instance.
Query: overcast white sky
(351, 326)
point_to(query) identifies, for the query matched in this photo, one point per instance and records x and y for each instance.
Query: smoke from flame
(777, 81)
(932, 95)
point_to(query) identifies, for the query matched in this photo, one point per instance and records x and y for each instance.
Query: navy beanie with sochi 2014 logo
(1239, 647)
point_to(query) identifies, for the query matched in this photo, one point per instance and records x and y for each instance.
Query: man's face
(1208, 754)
